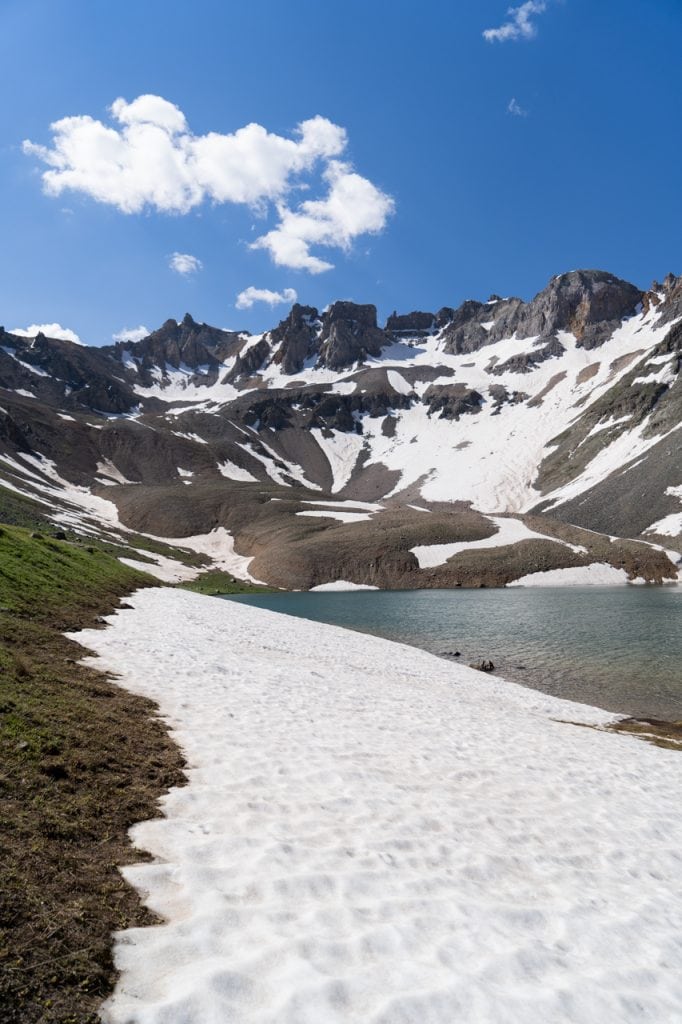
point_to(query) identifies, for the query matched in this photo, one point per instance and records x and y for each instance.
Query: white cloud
(49, 330)
(520, 25)
(246, 299)
(516, 109)
(353, 206)
(148, 158)
(132, 333)
(183, 263)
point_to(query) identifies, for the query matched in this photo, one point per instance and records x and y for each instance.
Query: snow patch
(370, 833)
(509, 531)
(234, 472)
(340, 585)
(343, 517)
(597, 574)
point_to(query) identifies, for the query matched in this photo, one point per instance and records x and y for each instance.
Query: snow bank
(597, 574)
(219, 546)
(338, 585)
(166, 569)
(509, 531)
(343, 517)
(372, 834)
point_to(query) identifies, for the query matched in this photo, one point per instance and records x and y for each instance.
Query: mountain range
(470, 446)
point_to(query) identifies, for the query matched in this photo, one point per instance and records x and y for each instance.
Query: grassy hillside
(81, 761)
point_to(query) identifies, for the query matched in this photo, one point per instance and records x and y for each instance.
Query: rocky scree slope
(334, 448)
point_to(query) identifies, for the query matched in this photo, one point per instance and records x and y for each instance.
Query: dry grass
(81, 762)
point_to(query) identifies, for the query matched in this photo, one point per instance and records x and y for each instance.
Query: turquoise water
(619, 648)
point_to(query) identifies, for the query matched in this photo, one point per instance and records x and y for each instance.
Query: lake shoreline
(611, 647)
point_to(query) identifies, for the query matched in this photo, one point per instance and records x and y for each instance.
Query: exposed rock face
(588, 303)
(250, 361)
(65, 374)
(463, 327)
(349, 333)
(452, 400)
(527, 361)
(412, 324)
(295, 339)
(180, 344)
(671, 289)
(500, 396)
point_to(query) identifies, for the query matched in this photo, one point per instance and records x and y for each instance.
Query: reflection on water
(616, 647)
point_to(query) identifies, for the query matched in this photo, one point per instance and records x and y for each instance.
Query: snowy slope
(378, 838)
(568, 406)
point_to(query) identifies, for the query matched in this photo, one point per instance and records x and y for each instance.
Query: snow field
(372, 835)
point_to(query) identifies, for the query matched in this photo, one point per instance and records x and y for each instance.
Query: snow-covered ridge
(560, 407)
(370, 833)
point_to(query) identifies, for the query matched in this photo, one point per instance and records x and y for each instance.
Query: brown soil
(82, 760)
(653, 730)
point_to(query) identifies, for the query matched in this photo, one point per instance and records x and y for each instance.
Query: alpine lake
(618, 648)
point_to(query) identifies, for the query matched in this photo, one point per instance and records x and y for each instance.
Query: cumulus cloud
(185, 264)
(516, 109)
(353, 206)
(132, 333)
(250, 295)
(520, 24)
(49, 330)
(148, 158)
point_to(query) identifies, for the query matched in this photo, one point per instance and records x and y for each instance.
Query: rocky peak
(415, 324)
(588, 303)
(187, 343)
(672, 301)
(349, 334)
(295, 338)
(470, 326)
(351, 313)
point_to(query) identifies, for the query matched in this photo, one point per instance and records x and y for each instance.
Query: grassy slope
(81, 760)
(214, 582)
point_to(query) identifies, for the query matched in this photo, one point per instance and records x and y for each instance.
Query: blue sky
(427, 184)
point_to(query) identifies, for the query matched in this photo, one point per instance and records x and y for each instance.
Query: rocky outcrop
(669, 294)
(452, 400)
(415, 325)
(174, 344)
(345, 412)
(587, 303)
(249, 362)
(349, 334)
(63, 374)
(525, 362)
(500, 396)
(295, 339)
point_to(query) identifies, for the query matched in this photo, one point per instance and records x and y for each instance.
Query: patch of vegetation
(653, 730)
(42, 577)
(215, 583)
(17, 510)
(667, 735)
(158, 547)
(81, 761)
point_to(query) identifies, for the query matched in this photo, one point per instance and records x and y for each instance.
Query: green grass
(18, 510)
(215, 582)
(80, 761)
(41, 576)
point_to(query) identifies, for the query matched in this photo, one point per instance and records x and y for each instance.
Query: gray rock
(452, 400)
(296, 338)
(415, 324)
(349, 334)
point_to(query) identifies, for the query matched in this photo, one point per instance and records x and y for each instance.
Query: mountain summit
(335, 447)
